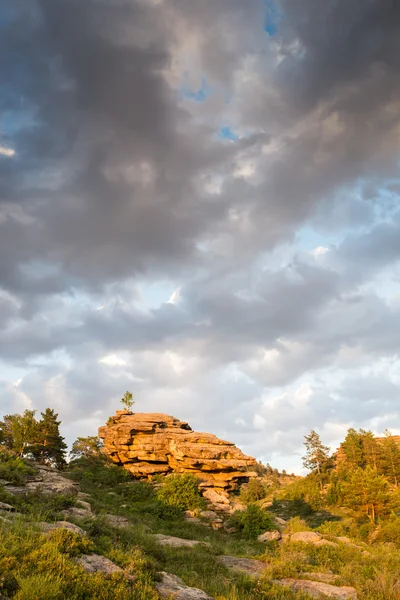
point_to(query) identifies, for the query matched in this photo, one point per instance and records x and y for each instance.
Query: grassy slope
(34, 566)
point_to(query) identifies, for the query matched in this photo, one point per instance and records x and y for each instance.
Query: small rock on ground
(117, 521)
(47, 527)
(93, 563)
(8, 507)
(248, 566)
(175, 542)
(308, 537)
(75, 511)
(317, 589)
(173, 586)
(323, 577)
(270, 536)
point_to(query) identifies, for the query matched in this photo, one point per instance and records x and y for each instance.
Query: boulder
(7, 507)
(94, 563)
(318, 589)
(248, 566)
(172, 586)
(175, 542)
(308, 537)
(117, 521)
(47, 527)
(270, 536)
(147, 444)
(78, 513)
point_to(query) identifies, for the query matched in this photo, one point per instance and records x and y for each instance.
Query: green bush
(96, 472)
(181, 491)
(14, 469)
(252, 491)
(70, 543)
(41, 585)
(296, 525)
(390, 532)
(253, 521)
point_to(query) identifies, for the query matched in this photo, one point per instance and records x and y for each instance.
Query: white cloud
(6, 151)
(112, 360)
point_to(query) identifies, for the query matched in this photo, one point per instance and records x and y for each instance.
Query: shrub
(70, 543)
(14, 469)
(253, 521)
(41, 585)
(296, 525)
(252, 491)
(390, 532)
(95, 471)
(181, 491)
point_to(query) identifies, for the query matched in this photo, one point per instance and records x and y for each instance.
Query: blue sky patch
(272, 18)
(226, 133)
(199, 95)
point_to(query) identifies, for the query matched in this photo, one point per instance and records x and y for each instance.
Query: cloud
(282, 245)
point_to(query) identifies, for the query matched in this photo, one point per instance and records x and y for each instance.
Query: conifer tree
(353, 450)
(368, 491)
(127, 401)
(370, 449)
(49, 447)
(390, 458)
(317, 456)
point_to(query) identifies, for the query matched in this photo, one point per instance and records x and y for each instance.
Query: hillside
(90, 530)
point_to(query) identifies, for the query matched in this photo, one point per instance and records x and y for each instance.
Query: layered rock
(147, 444)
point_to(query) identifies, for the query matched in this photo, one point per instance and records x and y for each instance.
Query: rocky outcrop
(147, 444)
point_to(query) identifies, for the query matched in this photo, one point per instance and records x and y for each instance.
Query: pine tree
(317, 456)
(49, 447)
(368, 491)
(370, 449)
(390, 458)
(353, 450)
(86, 447)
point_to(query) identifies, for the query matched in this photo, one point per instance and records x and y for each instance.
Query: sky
(199, 203)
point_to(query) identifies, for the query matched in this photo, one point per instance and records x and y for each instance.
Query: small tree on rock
(127, 401)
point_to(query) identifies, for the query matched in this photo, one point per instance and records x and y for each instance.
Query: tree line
(40, 439)
(364, 474)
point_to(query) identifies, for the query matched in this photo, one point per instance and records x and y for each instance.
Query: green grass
(34, 566)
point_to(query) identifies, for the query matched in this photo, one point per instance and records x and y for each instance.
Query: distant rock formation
(147, 444)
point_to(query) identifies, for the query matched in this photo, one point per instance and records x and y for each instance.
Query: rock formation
(147, 444)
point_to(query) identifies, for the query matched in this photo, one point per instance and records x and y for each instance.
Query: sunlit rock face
(147, 444)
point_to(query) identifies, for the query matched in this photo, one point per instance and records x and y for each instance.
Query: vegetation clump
(181, 491)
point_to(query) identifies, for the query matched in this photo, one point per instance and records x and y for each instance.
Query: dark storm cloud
(107, 186)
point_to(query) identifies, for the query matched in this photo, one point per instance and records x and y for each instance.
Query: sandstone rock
(208, 514)
(150, 443)
(117, 521)
(48, 481)
(75, 511)
(172, 586)
(7, 507)
(308, 537)
(280, 521)
(47, 527)
(248, 566)
(83, 504)
(175, 542)
(317, 589)
(323, 577)
(93, 563)
(270, 536)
